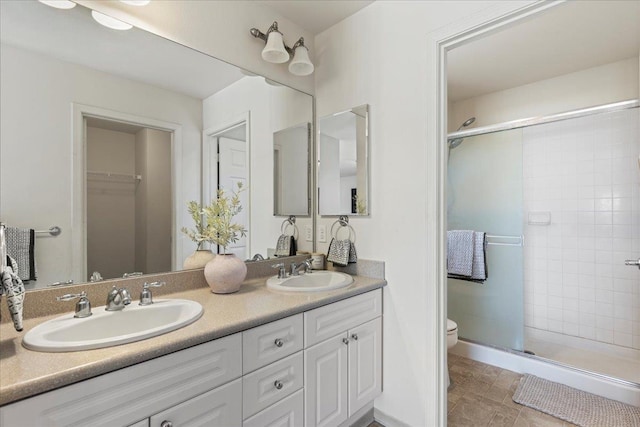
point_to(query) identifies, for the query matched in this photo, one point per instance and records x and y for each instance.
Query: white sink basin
(311, 282)
(109, 328)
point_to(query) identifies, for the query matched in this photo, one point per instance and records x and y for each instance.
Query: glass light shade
(301, 64)
(274, 51)
(59, 4)
(109, 22)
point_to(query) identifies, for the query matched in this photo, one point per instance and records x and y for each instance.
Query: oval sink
(109, 328)
(311, 282)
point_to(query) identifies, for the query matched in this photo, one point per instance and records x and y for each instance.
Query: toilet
(452, 339)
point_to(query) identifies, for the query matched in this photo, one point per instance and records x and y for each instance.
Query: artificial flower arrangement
(213, 223)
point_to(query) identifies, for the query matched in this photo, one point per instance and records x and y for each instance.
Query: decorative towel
(342, 252)
(461, 244)
(12, 287)
(21, 246)
(460, 252)
(286, 245)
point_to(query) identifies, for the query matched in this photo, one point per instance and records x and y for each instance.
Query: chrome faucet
(145, 296)
(117, 299)
(282, 273)
(83, 306)
(295, 268)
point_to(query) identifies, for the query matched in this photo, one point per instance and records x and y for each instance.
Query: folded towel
(463, 243)
(286, 245)
(460, 252)
(342, 252)
(21, 246)
(13, 289)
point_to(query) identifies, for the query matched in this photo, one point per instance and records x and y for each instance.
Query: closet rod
(517, 124)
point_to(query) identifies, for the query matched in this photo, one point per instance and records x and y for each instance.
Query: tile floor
(481, 394)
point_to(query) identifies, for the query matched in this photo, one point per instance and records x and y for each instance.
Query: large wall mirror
(108, 134)
(343, 170)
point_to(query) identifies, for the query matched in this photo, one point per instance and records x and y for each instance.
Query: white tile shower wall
(585, 172)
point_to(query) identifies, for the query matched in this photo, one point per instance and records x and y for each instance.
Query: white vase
(198, 259)
(225, 273)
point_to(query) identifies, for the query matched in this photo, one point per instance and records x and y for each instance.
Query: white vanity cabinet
(133, 394)
(343, 373)
(316, 368)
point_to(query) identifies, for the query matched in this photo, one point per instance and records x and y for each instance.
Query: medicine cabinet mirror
(343, 163)
(96, 121)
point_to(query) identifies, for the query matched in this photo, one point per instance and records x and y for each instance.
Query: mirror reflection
(101, 133)
(291, 170)
(343, 172)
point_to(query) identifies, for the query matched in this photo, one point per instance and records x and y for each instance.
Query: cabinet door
(143, 423)
(365, 364)
(325, 382)
(220, 407)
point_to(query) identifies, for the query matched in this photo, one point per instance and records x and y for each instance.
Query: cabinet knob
(345, 340)
(355, 337)
(278, 384)
(278, 342)
(166, 423)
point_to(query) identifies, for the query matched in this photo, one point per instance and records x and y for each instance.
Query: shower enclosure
(559, 198)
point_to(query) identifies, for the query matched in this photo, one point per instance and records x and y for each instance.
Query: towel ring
(343, 224)
(289, 223)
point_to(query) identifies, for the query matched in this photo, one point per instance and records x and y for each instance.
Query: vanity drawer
(330, 320)
(270, 384)
(271, 342)
(288, 412)
(217, 408)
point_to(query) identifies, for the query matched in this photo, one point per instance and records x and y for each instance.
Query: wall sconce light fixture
(275, 51)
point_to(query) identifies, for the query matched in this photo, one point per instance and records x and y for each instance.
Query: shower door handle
(635, 262)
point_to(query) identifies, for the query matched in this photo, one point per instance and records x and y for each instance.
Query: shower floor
(574, 353)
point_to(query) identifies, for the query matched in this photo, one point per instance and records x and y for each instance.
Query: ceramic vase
(198, 259)
(225, 273)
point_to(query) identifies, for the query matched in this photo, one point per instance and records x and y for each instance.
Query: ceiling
(73, 36)
(316, 15)
(567, 38)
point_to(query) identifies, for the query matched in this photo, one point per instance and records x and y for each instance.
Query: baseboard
(576, 378)
(361, 418)
(387, 420)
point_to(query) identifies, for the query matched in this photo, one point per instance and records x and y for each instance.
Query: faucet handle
(83, 306)
(145, 296)
(282, 273)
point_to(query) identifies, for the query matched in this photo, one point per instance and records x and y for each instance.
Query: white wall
(218, 28)
(379, 57)
(36, 98)
(271, 109)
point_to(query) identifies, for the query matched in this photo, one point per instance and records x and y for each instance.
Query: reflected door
(233, 169)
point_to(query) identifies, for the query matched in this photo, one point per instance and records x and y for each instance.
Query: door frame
(439, 42)
(79, 186)
(208, 136)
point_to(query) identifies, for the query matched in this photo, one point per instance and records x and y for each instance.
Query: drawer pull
(345, 340)
(355, 337)
(166, 423)
(278, 384)
(278, 342)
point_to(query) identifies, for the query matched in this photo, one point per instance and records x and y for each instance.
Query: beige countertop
(25, 373)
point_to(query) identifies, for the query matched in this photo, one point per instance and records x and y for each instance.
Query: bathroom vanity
(255, 358)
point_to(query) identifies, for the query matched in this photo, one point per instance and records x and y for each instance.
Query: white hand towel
(479, 268)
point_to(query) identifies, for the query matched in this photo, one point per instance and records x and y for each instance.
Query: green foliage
(214, 222)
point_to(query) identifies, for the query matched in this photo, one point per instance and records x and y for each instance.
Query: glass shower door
(485, 194)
